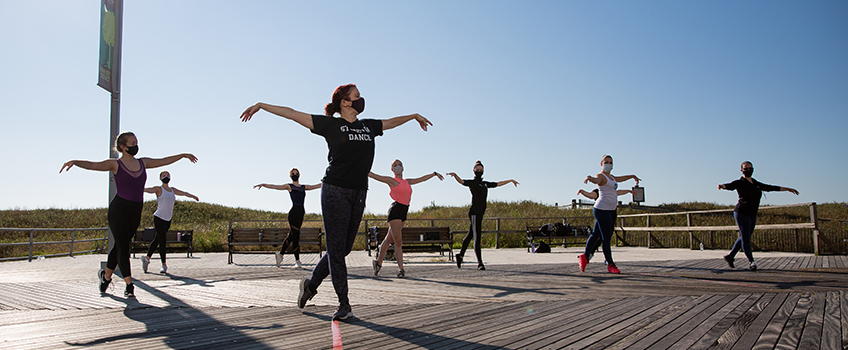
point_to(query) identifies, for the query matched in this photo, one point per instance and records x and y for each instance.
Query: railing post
(73, 236)
(815, 222)
(497, 233)
(689, 224)
(30, 245)
(648, 224)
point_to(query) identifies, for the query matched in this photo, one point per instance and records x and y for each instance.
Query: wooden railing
(817, 237)
(100, 246)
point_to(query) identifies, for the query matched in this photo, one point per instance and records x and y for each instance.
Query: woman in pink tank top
(400, 190)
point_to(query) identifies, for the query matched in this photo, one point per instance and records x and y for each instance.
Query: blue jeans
(746, 230)
(342, 210)
(603, 231)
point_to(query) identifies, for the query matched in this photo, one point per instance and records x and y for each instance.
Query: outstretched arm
(285, 112)
(384, 179)
(599, 179)
(504, 182)
(425, 178)
(285, 187)
(105, 165)
(623, 192)
(155, 190)
(157, 162)
(313, 187)
(790, 189)
(627, 177)
(455, 176)
(185, 194)
(591, 195)
(398, 121)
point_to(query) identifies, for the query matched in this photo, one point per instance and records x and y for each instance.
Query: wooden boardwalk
(796, 302)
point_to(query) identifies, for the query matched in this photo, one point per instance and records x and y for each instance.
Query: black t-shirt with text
(479, 192)
(351, 149)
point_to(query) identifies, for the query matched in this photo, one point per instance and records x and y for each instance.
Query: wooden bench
(415, 239)
(175, 240)
(573, 234)
(262, 240)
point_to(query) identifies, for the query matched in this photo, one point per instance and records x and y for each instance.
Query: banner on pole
(107, 43)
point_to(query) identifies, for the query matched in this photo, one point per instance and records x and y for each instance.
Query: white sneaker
(164, 269)
(145, 262)
(753, 266)
(297, 264)
(279, 258)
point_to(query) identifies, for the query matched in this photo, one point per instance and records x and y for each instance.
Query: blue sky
(680, 93)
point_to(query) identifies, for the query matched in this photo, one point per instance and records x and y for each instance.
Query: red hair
(342, 92)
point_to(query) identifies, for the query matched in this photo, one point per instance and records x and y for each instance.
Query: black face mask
(358, 105)
(132, 150)
(165, 180)
(295, 177)
(478, 174)
(747, 172)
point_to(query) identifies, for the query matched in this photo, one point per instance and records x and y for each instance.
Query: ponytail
(341, 93)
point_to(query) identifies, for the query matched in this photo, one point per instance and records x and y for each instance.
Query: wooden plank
(812, 334)
(843, 305)
(771, 334)
(544, 322)
(646, 324)
(593, 325)
(702, 323)
(830, 336)
(540, 336)
(791, 336)
(740, 327)
(670, 324)
(754, 331)
(673, 330)
(539, 326)
(712, 337)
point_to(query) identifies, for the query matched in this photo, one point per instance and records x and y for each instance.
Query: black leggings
(473, 232)
(124, 217)
(162, 227)
(295, 221)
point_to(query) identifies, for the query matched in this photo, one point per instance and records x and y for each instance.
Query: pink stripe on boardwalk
(337, 336)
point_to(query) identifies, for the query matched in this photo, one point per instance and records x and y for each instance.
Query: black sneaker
(104, 283)
(481, 267)
(129, 291)
(342, 313)
(305, 293)
(458, 261)
(729, 261)
(401, 274)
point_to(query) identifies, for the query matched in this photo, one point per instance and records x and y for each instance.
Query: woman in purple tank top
(124, 213)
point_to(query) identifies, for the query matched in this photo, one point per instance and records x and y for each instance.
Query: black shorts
(397, 211)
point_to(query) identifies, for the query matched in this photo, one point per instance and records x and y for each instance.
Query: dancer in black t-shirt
(351, 152)
(479, 192)
(745, 213)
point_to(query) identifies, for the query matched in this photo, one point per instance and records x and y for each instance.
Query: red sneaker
(583, 262)
(612, 269)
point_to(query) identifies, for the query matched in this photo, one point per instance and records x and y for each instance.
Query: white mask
(398, 169)
(608, 167)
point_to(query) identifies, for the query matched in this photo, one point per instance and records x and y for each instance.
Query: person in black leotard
(297, 192)
(479, 192)
(745, 213)
(124, 213)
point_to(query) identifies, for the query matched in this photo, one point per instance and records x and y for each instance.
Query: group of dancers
(350, 141)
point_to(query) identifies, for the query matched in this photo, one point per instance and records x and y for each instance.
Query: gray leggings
(342, 210)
